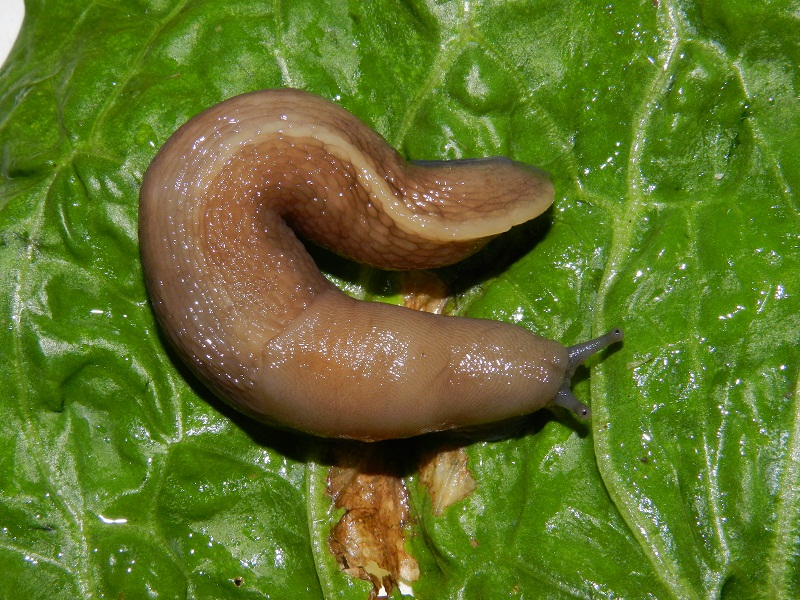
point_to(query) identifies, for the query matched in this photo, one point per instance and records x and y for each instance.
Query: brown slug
(238, 296)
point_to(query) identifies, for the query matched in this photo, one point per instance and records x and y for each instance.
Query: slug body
(233, 288)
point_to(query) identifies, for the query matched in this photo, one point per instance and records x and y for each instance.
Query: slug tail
(577, 356)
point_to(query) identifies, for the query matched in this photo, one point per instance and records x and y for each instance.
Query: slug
(222, 208)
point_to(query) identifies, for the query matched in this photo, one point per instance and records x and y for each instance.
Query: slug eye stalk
(578, 354)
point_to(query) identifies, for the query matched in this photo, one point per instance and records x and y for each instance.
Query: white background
(11, 12)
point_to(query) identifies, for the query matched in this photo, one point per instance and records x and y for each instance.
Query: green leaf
(672, 135)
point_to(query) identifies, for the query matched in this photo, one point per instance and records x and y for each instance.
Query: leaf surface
(671, 132)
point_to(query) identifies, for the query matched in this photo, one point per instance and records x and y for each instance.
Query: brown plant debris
(444, 472)
(369, 542)
(424, 291)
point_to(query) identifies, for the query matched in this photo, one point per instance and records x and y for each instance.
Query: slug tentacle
(222, 209)
(580, 352)
(577, 356)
